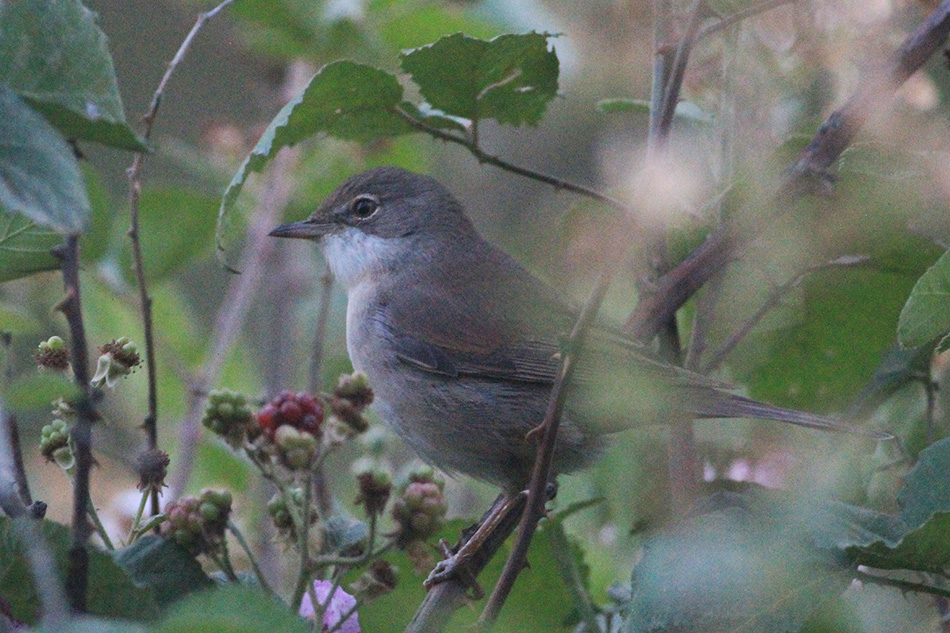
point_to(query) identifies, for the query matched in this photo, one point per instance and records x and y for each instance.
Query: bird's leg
(475, 547)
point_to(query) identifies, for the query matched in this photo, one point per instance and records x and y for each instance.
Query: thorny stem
(534, 507)
(135, 189)
(77, 577)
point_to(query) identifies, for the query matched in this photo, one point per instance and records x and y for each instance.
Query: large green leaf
(164, 566)
(54, 55)
(25, 247)
(344, 99)
(231, 609)
(926, 315)
(39, 177)
(111, 592)
(510, 78)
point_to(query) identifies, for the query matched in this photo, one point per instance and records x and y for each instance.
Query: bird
(462, 344)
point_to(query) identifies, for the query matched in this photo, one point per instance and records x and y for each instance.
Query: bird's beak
(306, 229)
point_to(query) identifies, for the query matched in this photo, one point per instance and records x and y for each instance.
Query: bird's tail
(739, 407)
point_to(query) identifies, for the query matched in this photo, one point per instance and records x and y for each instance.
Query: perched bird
(461, 343)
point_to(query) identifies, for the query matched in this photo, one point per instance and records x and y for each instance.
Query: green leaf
(54, 55)
(747, 563)
(510, 78)
(39, 176)
(15, 320)
(38, 390)
(176, 226)
(111, 592)
(25, 247)
(163, 566)
(231, 609)
(344, 99)
(926, 315)
(685, 110)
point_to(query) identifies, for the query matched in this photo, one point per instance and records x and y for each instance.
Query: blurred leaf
(163, 566)
(898, 368)
(176, 226)
(510, 78)
(344, 99)
(746, 563)
(926, 315)
(538, 603)
(410, 25)
(15, 320)
(38, 390)
(56, 57)
(231, 609)
(111, 592)
(95, 243)
(39, 177)
(925, 549)
(926, 491)
(25, 247)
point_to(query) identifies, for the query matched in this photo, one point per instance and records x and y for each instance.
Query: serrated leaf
(25, 247)
(926, 315)
(344, 99)
(39, 176)
(510, 78)
(231, 609)
(53, 54)
(111, 592)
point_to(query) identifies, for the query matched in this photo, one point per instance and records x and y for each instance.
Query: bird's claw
(455, 567)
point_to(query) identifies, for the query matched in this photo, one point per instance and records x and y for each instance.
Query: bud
(375, 488)
(116, 359)
(355, 389)
(152, 467)
(52, 354)
(227, 414)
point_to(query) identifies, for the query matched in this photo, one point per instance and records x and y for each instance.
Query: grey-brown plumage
(461, 343)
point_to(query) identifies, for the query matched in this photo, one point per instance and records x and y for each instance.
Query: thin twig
(534, 508)
(770, 302)
(315, 379)
(734, 18)
(150, 423)
(81, 433)
(903, 585)
(834, 135)
(490, 159)
(671, 89)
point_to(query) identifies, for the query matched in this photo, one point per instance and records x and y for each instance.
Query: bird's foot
(455, 566)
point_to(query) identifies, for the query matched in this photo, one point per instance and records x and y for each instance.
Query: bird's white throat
(353, 254)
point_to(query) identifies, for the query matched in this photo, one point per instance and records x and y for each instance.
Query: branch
(483, 157)
(78, 569)
(903, 585)
(534, 507)
(834, 135)
(135, 189)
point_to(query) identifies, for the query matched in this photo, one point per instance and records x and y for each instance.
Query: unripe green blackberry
(227, 414)
(198, 523)
(53, 437)
(281, 515)
(355, 389)
(420, 507)
(296, 449)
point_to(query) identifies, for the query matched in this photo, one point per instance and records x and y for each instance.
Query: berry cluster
(54, 441)
(228, 415)
(198, 523)
(52, 354)
(300, 411)
(420, 507)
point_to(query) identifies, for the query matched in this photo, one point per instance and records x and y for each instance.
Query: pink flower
(340, 604)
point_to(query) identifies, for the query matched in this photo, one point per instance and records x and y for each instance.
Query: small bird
(462, 344)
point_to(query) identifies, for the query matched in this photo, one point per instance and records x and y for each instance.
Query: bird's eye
(364, 206)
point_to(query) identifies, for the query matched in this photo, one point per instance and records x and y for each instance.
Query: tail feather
(739, 407)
